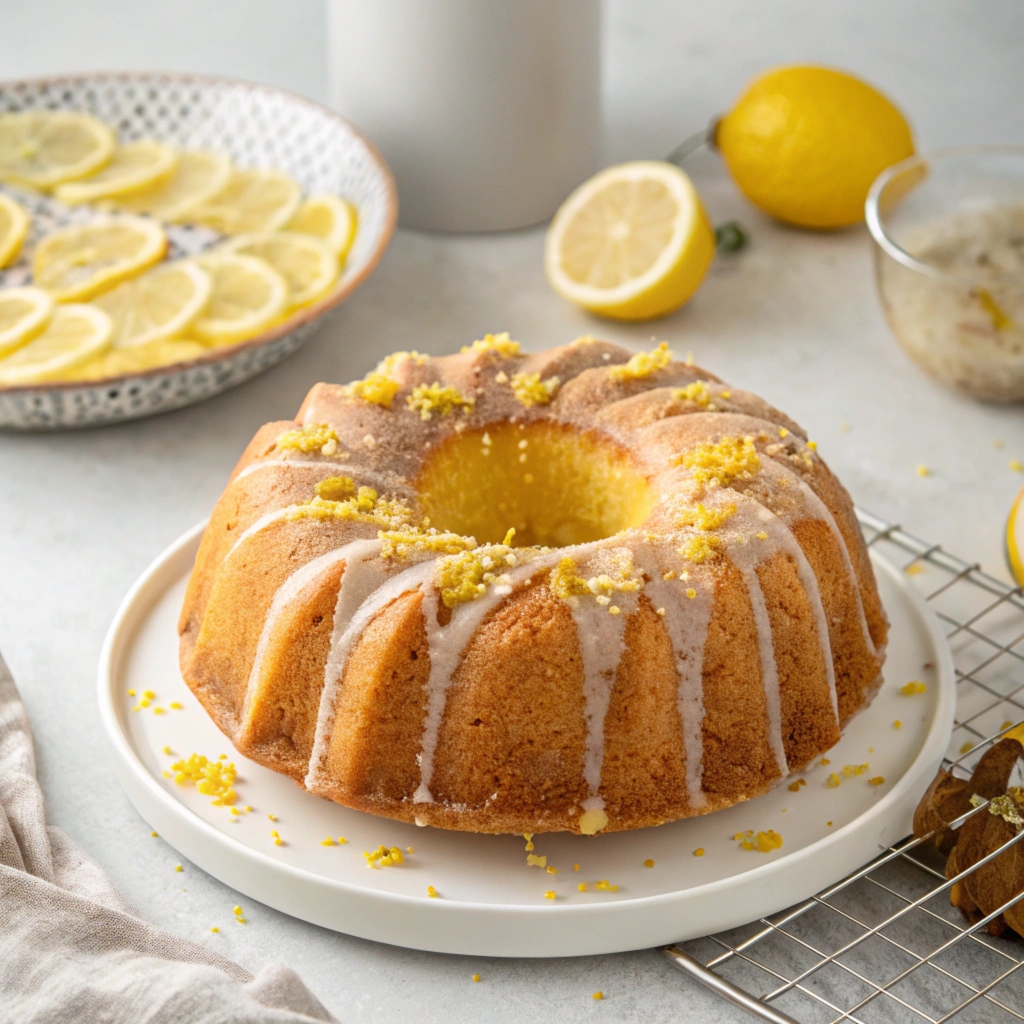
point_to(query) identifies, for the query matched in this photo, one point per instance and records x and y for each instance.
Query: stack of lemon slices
(103, 300)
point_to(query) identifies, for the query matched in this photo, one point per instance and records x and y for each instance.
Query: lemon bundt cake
(503, 592)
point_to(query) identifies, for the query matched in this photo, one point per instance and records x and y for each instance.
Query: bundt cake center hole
(557, 486)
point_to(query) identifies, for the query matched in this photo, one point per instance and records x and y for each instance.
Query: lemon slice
(75, 333)
(329, 218)
(307, 264)
(42, 148)
(251, 201)
(23, 314)
(122, 362)
(14, 223)
(137, 165)
(197, 177)
(82, 261)
(248, 296)
(159, 304)
(631, 243)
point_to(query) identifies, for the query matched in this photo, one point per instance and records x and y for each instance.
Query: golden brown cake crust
(687, 614)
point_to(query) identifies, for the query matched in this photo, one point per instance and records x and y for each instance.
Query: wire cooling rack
(884, 945)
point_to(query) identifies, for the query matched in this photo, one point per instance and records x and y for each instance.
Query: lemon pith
(632, 243)
(804, 144)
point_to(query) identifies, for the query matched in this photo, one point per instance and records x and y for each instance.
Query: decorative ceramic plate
(256, 126)
(489, 901)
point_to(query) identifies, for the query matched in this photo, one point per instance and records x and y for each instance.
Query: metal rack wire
(884, 944)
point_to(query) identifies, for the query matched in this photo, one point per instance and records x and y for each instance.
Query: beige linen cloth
(72, 950)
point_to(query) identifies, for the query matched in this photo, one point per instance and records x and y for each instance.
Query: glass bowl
(949, 263)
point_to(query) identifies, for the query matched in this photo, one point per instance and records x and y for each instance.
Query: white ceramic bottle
(488, 111)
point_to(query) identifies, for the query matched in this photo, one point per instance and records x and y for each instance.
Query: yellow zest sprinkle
(234, 811)
(914, 569)
(177, 705)
(379, 386)
(552, 870)
(432, 892)
(1016, 466)
(131, 693)
(274, 833)
(813, 445)
(476, 977)
(691, 593)
(214, 929)
(967, 747)
(697, 392)
(598, 995)
(605, 886)
(148, 694)
(824, 760)
(272, 817)
(278, 841)
(158, 711)
(154, 835)
(829, 823)
(440, 398)
(240, 920)
(178, 867)
(913, 687)
(794, 787)
(384, 857)
(237, 911)
(530, 390)
(699, 852)
(764, 842)
(144, 703)
(761, 535)
(167, 750)
(850, 770)
(582, 887)
(583, 339)
(705, 518)
(923, 470)
(365, 506)
(247, 808)
(648, 863)
(575, 867)
(466, 576)
(413, 540)
(335, 488)
(897, 724)
(211, 778)
(533, 861)
(328, 842)
(317, 437)
(877, 780)
(717, 464)
(550, 894)
(668, 575)
(700, 548)
(643, 364)
(496, 344)
(783, 432)
(832, 781)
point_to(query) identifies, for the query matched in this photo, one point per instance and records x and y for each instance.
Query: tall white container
(488, 111)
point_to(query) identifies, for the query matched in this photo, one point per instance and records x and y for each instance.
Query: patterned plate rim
(301, 318)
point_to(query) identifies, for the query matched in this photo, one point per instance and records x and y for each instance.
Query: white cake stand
(490, 902)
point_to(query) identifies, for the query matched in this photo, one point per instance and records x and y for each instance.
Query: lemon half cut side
(632, 243)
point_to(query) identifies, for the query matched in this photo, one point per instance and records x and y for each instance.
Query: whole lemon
(805, 143)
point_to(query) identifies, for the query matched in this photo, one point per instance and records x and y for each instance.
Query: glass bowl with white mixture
(949, 262)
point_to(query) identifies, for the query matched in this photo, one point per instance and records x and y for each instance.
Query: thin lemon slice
(631, 243)
(197, 177)
(23, 314)
(14, 223)
(122, 362)
(75, 333)
(42, 148)
(159, 304)
(251, 201)
(330, 218)
(135, 166)
(248, 296)
(307, 264)
(83, 261)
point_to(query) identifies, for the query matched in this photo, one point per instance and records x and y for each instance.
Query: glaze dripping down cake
(575, 590)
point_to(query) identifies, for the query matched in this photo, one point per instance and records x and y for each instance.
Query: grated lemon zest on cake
(365, 506)
(643, 364)
(717, 464)
(878, 780)
(336, 488)
(412, 540)
(530, 390)
(763, 842)
(465, 576)
(704, 518)
(495, 344)
(701, 548)
(375, 388)
(592, 821)
(316, 437)
(832, 781)
(211, 778)
(698, 393)
(428, 399)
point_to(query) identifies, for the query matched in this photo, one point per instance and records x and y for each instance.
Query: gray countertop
(794, 318)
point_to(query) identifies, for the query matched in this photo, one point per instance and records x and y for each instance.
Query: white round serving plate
(257, 126)
(490, 902)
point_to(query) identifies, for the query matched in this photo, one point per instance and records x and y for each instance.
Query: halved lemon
(307, 264)
(75, 333)
(632, 243)
(23, 314)
(135, 166)
(330, 218)
(14, 223)
(159, 304)
(83, 261)
(248, 296)
(42, 148)
(251, 201)
(121, 362)
(197, 177)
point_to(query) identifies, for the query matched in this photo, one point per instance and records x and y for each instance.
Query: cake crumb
(550, 894)
(878, 780)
